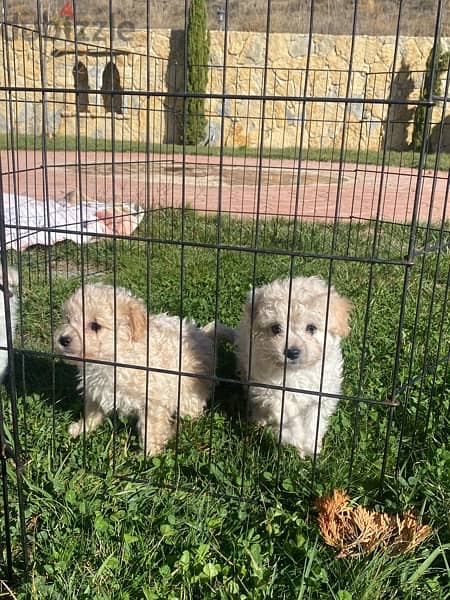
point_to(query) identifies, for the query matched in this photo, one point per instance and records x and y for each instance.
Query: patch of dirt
(230, 175)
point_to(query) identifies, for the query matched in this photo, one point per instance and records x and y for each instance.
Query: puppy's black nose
(64, 340)
(292, 353)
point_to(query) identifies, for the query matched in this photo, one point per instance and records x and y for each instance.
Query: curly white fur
(282, 343)
(13, 279)
(111, 325)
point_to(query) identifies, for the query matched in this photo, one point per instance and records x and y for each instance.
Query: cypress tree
(197, 74)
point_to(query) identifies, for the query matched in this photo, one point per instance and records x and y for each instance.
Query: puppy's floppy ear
(251, 306)
(137, 316)
(339, 313)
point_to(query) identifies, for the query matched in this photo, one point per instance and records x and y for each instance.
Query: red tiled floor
(326, 191)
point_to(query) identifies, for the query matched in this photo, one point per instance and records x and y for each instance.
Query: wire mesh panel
(142, 258)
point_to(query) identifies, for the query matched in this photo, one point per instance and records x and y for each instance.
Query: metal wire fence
(304, 170)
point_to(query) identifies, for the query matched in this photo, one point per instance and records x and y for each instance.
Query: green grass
(103, 523)
(407, 158)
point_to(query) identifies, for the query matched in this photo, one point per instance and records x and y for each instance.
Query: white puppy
(13, 280)
(284, 343)
(111, 325)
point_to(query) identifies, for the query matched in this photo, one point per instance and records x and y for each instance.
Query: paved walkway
(319, 190)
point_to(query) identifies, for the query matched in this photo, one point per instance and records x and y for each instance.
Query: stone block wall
(303, 97)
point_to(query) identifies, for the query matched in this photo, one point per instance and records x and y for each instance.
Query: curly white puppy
(109, 324)
(13, 279)
(284, 343)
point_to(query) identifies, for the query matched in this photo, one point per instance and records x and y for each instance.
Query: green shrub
(419, 115)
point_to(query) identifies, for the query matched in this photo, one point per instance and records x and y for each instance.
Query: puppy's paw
(153, 449)
(75, 429)
(309, 451)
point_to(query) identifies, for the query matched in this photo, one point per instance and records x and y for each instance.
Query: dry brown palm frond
(355, 530)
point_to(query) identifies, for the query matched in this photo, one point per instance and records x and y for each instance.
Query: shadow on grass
(55, 382)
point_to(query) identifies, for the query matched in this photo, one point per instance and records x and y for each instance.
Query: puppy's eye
(95, 326)
(276, 329)
(311, 328)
